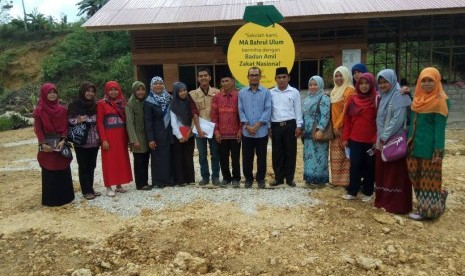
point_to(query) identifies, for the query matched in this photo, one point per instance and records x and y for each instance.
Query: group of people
(350, 125)
(364, 113)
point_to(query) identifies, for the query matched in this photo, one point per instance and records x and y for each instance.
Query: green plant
(12, 122)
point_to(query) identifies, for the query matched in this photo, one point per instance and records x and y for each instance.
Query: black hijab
(83, 106)
(181, 107)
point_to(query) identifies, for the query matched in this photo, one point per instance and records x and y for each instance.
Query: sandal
(97, 194)
(416, 216)
(89, 196)
(120, 190)
(110, 193)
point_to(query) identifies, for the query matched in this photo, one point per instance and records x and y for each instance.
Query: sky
(47, 7)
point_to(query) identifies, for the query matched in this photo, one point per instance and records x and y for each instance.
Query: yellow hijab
(433, 102)
(337, 93)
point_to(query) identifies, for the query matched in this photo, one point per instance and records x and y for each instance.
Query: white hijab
(337, 93)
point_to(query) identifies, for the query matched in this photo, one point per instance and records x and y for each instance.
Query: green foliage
(90, 7)
(122, 71)
(5, 6)
(12, 122)
(95, 57)
(328, 68)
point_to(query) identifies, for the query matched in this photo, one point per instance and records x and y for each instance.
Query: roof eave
(307, 18)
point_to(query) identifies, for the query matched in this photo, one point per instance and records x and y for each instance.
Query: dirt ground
(336, 237)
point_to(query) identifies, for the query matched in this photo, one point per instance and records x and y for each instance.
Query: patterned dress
(315, 153)
(340, 165)
(428, 139)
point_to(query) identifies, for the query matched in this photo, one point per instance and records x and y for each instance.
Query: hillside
(65, 57)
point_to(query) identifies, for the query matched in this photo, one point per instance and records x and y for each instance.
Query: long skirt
(183, 161)
(340, 165)
(316, 162)
(426, 178)
(393, 189)
(57, 187)
(161, 166)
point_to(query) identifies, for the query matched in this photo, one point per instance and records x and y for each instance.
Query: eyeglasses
(254, 75)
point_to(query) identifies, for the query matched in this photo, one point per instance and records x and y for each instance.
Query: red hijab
(361, 101)
(119, 103)
(51, 113)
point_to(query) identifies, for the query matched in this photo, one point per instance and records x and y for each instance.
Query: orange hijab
(433, 102)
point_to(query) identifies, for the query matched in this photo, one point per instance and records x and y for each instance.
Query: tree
(5, 6)
(90, 7)
(39, 22)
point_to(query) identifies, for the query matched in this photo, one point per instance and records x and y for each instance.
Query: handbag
(395, 147)
(328, 133)
(66, 151)
(77, 134)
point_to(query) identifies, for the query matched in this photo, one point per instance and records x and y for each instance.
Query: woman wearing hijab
(357, 70)
(427, 138)
(112, 131)
(51, 129)
(159, 132)
(393, 188)
(84, 111)
(340, 94)
(360, 135)
(136, 132)
(316, 152)
(183, 146)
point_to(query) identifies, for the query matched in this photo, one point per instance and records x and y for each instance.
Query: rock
(400, 220)
(368, 263)
(272, 261)
(348, 259)
(391, 249)
(276, 233)
(384, 218)
(386, 230)
(186, 262)
(418, 224)
(105, 265)
(321, 211)
(82, 272)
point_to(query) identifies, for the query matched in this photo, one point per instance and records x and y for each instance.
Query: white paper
(206, 126)
(350, 57)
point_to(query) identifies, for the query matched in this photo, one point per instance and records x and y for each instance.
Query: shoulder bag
(395, 147)
(77, 134)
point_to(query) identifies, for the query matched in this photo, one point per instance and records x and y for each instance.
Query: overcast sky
(47, 7)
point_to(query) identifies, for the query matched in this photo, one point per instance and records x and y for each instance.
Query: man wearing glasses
(254, 113)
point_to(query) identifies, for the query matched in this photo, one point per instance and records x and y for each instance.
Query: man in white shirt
(286, 123)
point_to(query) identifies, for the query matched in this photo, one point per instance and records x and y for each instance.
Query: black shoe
(290, 183)
(216, 182)
(204, 182)
(275, 183)
(225, 183)
(236, 184)
(261, 184)
(146, 188)
(248, 184)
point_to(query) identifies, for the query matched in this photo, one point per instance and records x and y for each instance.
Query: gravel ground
(131, 203)
(248, 200)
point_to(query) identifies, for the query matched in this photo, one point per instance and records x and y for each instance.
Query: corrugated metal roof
(144, 14)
